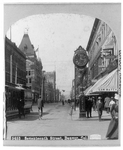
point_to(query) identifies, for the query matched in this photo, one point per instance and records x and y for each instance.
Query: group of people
(98, 105)
(95, 104)
(110, 105)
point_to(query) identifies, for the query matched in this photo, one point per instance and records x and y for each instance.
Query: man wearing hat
(99, 108)
(111, 103)
(40, 107)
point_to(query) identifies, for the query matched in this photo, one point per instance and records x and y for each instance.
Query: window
(26, 80)
(30, 81)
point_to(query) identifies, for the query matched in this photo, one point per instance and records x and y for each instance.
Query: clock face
(80, 59)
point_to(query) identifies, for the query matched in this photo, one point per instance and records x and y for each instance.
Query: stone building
(33, 67)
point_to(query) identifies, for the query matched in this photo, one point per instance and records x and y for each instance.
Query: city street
(57, 122)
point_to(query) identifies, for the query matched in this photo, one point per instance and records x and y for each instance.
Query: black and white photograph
(62, 67)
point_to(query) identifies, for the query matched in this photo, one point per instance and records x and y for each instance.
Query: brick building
(102, 50)
(15, 72)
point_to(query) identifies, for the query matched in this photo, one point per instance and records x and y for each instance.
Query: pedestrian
(40, 107)
(106, 105)
(89, 105)
(20, 107)
(94, 104)
(99, 108)
(112, 132)
(112, 101)
(72, 108)
(63, 102)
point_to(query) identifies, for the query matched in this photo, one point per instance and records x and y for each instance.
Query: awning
(108, 83)
(109, 46)
(19, 88)
(86, 91)
(90, 90)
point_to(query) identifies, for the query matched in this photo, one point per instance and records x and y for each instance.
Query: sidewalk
(105, 116)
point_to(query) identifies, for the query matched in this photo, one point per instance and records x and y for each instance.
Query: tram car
(13, 94)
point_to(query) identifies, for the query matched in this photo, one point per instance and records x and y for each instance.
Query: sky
(57, 36)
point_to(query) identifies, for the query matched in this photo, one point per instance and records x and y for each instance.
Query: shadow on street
(29, 117)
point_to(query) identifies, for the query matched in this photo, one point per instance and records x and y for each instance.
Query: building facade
(103, 61)
(50, 86)
(15, 72)
(33, 67)
(102, 51)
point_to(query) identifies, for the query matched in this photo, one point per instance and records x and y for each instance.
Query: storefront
(107, 84)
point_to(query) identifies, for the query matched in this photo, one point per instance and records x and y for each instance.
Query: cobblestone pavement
(56, 121)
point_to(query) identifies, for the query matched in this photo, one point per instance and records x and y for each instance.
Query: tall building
(15, 72)
(33, 67)
(50, 86)
(103, 55)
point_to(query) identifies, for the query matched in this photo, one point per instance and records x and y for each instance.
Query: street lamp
(80, 61)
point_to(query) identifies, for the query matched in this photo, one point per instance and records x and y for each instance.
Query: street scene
(62, 81)
(57, 121)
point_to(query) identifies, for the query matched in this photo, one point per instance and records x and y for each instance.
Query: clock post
(80, 61)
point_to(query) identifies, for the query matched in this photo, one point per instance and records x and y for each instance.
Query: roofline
(15, 46)
(96, 22)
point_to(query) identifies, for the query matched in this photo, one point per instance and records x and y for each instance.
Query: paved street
(57, 122)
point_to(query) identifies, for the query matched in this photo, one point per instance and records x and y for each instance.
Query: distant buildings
(33, 67)
(50, 86)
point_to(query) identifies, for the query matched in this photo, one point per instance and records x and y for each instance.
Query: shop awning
(90, 90)
(108, 83)
(86, 91)
(109, 46)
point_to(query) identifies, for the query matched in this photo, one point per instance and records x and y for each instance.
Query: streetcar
(14, 93)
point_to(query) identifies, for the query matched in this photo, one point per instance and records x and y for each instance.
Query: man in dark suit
(89, 104)
(40, 107)
(20, 106)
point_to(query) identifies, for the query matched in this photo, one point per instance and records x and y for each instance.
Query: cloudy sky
(57, 36)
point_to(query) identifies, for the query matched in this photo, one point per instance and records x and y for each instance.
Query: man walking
(107, 101)
(40, 107)
(20, 106)
(99, 108)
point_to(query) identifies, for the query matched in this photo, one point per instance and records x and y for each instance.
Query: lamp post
(80, 61)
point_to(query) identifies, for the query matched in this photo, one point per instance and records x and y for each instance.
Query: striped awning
(90, 90)
(86, 91)
(108, 83)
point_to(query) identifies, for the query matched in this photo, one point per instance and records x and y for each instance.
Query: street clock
(80, 58)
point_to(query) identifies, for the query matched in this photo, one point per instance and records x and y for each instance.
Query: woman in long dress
(112, 132)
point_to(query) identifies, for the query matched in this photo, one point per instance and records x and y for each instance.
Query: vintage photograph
(62, 74)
